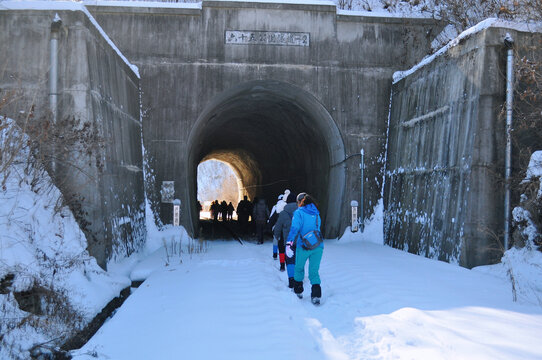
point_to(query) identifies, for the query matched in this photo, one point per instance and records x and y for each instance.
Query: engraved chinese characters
(238, 37)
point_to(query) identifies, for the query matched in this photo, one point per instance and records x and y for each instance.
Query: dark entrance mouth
(275, 136)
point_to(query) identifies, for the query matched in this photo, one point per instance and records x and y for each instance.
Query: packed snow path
(378, 303)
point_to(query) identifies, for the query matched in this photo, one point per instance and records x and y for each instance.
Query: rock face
(288, 94)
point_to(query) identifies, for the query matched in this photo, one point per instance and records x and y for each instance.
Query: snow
(43, 246)
(491, 22)
(145, 4)
(300, 2)
(231, 302)
(70, 6)
(523, 266)
(385, 14)
(197, 5)
(534, 170)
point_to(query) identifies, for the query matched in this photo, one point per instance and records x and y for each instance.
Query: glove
(289, 250)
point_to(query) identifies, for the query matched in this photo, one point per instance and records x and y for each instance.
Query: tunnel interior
(275, 136)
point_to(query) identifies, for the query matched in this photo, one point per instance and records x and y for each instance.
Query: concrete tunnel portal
(275, 136)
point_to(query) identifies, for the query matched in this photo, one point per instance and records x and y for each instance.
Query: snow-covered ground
(44, 250)
(231, 302)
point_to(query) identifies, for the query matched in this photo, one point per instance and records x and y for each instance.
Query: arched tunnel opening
(275, 136)
(217, 182)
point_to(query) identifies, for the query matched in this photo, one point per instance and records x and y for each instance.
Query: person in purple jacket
(306, 224)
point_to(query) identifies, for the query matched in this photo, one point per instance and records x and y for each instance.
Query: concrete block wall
(185, 64)
(444, 190)
(98, 88)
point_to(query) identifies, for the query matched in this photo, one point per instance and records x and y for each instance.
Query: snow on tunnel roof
(143, 4)
(197, 5)
(488, 23)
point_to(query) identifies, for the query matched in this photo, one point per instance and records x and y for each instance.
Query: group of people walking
(297, 238)
(259, 214)
(221, 210)
(295, 224)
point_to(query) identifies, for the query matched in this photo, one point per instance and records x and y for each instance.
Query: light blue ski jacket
(305, 219)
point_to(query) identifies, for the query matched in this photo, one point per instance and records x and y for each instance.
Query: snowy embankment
(448, 33)
(43, 252)
(231, 302)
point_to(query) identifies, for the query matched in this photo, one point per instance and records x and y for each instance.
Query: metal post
(361, 218)
(509, 43)
(53, 79)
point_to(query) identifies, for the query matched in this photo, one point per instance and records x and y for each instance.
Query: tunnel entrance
(217, 181)
(275, 136)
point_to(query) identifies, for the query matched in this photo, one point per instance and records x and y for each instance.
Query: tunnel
(275, 136)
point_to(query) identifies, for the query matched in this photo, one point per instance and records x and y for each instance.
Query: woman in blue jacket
(306, 221)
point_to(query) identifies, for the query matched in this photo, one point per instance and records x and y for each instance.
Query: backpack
(312, 239)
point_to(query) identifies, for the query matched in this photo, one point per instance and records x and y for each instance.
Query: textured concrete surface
(283, 116)
(105, 187)
(444, 191)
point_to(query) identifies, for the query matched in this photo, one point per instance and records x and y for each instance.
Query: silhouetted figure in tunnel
(260, 214)
(214, 210)
(243, 213)
(199, 207)
(230, 211)
(224, 210)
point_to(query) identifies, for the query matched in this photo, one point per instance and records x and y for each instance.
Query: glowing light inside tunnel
(217, 180)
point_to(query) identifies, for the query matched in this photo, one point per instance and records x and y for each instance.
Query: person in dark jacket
(306, 219)
(260, 213)
(224, 210)
(280, 232)
(230, 211)
(214, 210)
(243, 213)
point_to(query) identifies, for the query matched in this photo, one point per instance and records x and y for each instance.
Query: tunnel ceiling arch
(275, 136)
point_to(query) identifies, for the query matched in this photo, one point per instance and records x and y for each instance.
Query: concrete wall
(97, 87)
(444, 182)
(185, 64)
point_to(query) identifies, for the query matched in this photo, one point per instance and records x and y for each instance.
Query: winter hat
(291, 198)
(286, 193)
(301, 196)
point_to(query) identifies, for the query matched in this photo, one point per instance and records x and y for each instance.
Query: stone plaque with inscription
(239, 37)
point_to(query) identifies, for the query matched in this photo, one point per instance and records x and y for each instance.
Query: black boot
(298, 289)
(316, 294)
(291, 282)
(282, 267)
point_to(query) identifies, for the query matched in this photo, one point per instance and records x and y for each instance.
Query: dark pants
(281, 245)
(260, 227)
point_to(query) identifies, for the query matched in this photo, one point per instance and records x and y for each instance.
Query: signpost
(176, 212)
(355, 223)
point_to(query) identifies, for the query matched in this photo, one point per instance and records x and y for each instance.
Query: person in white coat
(273, 217)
